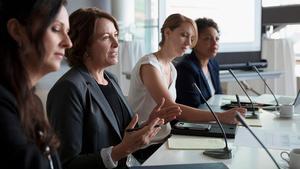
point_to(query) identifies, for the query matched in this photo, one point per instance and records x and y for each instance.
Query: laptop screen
(297, 99)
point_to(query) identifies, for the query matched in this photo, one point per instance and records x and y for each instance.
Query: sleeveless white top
(141, 100)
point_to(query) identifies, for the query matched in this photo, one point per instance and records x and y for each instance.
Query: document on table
(252, 122)
(194, 142)
(230, 98)
(271, 139)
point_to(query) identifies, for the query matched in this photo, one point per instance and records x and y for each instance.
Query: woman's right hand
(135, 140)
(228, 117)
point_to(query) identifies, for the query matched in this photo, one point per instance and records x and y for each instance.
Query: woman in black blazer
(200, 67)
(33, 38)
(86, 105)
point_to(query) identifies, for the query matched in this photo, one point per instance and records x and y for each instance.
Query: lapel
(120, 93)
(202, 78)
(212, 74)
(99, 97)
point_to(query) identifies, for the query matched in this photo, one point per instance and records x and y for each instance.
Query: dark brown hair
(82, 27)
(35, 16)
(174, 21)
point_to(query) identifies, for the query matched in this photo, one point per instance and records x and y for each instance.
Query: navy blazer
(189, 72)
(17, 152)
(83, 118)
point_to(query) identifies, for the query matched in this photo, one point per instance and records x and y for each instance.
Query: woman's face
(208, 43)
(180, 38)
(56, 40)
(103, 48)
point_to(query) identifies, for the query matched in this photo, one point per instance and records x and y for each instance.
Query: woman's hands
(228, 117)
(168, 113)
(135, 140)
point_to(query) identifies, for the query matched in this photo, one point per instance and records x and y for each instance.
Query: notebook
(180, 142)
(212, 130)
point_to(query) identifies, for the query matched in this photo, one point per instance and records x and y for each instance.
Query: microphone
(238, 100)
(239, 117)
(253, 115)
(277, 104)
(247, 87)
(224, 153)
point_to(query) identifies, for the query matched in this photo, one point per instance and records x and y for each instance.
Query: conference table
(245, 155)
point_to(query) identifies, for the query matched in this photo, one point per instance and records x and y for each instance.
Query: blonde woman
(154, 76)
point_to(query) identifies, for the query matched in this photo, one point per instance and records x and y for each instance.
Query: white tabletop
(243, 156)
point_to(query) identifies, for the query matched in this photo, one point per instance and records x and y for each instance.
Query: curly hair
(203, 23)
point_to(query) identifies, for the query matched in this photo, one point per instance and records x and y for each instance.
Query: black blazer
(16, 151)
(83, 119)
(189, 72)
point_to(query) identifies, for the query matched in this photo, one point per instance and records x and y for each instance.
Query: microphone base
(219, 153)
(252, 116)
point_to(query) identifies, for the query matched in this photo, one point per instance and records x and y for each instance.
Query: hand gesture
(135, 140)
(168, 113)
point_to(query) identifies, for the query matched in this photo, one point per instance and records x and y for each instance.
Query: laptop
(284, 100)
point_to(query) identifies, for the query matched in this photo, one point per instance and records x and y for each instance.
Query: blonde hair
(174, 21)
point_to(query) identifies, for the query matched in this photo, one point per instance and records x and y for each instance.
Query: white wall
(102, 4)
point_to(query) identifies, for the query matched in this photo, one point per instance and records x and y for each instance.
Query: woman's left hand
(168, 113)
(137, 139)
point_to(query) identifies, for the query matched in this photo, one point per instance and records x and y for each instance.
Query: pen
(137, 128)
(238, 100)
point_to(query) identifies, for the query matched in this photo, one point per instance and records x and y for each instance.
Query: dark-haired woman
(34, 36)
(86, 105)
(200, 67)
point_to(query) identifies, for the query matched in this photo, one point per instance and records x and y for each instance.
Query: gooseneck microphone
(248, 87)
(254, 67)
(253, 115)
(242, 121)
(224, 153)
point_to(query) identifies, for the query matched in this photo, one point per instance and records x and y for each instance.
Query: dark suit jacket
(16, 151)
(83, 118)
(189, 72)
